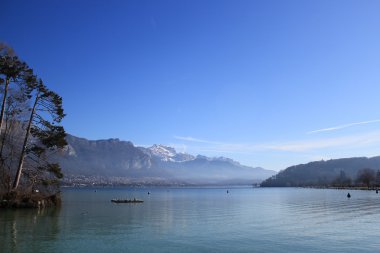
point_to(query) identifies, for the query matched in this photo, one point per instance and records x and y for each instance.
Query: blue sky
(250, 80)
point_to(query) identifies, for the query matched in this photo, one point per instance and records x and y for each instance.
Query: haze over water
(198, 220)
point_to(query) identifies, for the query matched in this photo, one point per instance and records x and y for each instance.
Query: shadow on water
(27, 230)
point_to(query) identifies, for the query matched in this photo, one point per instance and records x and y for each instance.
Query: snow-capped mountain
(169, 154)
(116, 158)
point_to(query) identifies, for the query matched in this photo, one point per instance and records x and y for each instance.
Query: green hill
(322, 173)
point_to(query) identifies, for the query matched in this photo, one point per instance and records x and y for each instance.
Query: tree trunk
(3, 105)
(22, 156)
(2, 159)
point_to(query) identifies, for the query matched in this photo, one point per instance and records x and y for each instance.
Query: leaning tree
(13, 71)
(43, 137)
(16, 80)
(30, 130)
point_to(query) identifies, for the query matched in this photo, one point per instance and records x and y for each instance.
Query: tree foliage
(366, 176)
(342, 180)
(377, 180)
(343, 172)
(30, 127)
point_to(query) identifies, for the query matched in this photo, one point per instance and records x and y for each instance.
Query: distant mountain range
(113, 158)
(321, 173)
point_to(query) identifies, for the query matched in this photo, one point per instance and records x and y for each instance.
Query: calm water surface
(198, 220)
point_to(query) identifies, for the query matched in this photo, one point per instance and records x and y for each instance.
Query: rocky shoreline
(35, 200)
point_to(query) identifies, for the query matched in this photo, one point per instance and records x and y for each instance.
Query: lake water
(198, 220)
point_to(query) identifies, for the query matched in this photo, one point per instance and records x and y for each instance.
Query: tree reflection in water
(28, 230)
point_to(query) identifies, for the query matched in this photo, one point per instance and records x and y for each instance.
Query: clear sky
(268, 83)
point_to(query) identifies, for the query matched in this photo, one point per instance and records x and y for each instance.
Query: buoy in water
(228, 191)
(348, 195)
(377, 191)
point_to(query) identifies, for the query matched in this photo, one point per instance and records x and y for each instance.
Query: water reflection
(332, 203)
(198, 220)
(25, 230)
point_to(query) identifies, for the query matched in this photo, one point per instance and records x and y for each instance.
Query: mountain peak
(115, 158)
(165, 153)
(169, 154)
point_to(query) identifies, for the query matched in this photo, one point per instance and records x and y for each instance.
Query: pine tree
(30, 130)
(43, 136)
(12, 71)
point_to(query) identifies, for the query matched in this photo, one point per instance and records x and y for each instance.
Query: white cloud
(343, 126)
(346, 141)
(349, 141)
(275, 155)
(191, 139)
(181, 148)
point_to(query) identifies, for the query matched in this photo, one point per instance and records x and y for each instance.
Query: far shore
(362, 188)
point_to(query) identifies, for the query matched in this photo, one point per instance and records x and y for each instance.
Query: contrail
(343, 126)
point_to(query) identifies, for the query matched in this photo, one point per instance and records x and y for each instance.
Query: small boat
(126, 201)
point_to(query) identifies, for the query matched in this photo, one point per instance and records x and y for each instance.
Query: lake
(198, 220)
